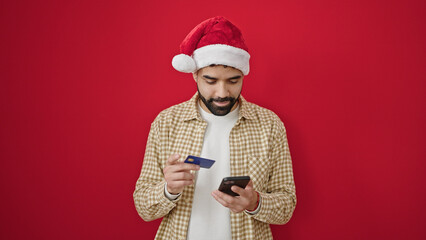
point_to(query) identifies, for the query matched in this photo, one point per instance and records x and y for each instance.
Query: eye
(210, 82)
(233, 81)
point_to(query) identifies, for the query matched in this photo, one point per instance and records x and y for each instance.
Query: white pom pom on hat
(184, 63)
(214, 41)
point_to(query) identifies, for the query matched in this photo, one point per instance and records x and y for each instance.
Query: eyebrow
(235, 77)
(213, 78)
(208, 77)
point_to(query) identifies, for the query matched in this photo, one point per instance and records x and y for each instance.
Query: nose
(222, 90)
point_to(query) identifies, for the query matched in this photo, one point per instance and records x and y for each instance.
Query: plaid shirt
(258, 148)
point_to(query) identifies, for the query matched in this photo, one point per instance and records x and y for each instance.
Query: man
(216, 123)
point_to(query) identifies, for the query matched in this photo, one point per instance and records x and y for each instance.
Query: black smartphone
(228, 182)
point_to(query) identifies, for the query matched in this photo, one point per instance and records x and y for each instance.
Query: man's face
(219, 88)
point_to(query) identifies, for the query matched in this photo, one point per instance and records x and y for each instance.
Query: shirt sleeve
(257, 209)
(279, 201)
(170, 196)
(150, 200)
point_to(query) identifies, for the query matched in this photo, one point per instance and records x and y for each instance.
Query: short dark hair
(225, 66)
(214, 65)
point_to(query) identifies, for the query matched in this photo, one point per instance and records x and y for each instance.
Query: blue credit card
(203, 162)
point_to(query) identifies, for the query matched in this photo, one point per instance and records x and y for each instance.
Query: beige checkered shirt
(258, 148)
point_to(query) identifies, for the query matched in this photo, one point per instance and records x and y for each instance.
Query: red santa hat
(214, 41)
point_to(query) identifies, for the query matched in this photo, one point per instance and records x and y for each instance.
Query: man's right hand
(178, 175)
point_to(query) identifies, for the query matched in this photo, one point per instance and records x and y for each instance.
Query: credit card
(203, 162)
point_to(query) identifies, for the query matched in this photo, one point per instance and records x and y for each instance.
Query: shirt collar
(191, 111)
(245, 110)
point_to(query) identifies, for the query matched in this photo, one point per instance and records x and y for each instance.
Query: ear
(195, 76)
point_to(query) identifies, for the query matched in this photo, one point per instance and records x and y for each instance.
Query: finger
(240, 191)
(249, 185)
(243, 191)
(190, 166)
(217, 195)
(183, 167)
(180, 168)
(179, 183)
(226, 197)
(222, 199)
(173, 159)
(181, 176)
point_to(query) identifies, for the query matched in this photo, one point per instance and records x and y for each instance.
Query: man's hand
(177, 174)
(246, 200)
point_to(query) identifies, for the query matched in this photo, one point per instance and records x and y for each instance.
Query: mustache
(225, 99)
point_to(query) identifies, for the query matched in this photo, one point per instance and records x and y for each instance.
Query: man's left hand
(246, 200)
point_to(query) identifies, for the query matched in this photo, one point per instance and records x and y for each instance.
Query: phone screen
(228, 182)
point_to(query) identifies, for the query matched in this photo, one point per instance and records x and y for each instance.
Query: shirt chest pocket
(259, 169)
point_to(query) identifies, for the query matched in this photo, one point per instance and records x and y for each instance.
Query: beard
(216, 110)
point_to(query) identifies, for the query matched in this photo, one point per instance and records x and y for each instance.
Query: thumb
(250, 185)
(173, 159)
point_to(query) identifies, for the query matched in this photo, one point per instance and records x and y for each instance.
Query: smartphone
(228, 182)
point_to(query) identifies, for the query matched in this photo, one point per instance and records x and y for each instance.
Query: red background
(81, 81)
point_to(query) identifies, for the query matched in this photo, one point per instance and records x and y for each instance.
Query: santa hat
(214, 41)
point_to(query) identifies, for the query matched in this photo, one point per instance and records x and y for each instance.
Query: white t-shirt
(209, 219)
